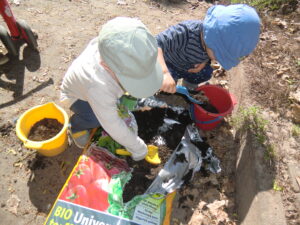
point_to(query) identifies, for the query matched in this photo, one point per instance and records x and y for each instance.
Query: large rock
(296, 112)
(295, 96)
(295, 107)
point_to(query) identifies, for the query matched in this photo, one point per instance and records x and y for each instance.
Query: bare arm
(197, 68)
(169, 84)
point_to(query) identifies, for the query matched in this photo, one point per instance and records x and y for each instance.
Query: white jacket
(87, 80)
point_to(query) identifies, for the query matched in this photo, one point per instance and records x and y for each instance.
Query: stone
(13, 204)
(295, 96)
(297, 201)
(294, 171)
(295, 108)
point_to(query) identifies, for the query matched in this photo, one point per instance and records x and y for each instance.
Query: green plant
(251, 119)
(291, 81)
(270, 152)
(260, 4)
(296, 130)
(276, 187)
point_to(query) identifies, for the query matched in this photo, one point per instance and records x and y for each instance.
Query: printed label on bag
(148, 211)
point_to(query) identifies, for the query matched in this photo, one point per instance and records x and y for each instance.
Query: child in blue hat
(227, 35)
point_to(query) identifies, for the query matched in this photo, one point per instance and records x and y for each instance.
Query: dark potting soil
(200, 96)
(177, 99)
(156, 128)
(44, 129)
(143, 174)
(167, 124)
(209, 108)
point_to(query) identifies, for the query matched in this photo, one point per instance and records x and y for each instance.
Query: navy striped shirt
(181, 45)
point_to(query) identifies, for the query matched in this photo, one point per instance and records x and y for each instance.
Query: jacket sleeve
(104, 106)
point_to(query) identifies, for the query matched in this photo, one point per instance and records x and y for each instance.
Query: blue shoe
(80, 138)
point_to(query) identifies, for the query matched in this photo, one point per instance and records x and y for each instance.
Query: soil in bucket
(45, 129)
(200, 96)
(150, 125)
(221, 99)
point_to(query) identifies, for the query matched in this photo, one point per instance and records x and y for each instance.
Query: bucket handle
(33, 144)
(202, 122)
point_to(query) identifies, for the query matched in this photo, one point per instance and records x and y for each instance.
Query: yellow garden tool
(152, 156)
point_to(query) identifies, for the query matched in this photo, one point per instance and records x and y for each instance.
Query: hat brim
(212, 38)
(143, 87)
(226, 62)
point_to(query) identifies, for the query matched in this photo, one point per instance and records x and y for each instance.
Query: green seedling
(276, 187)
(269, 152)
(296, 130)
(260, 4)
(251, 119)
(291, 81)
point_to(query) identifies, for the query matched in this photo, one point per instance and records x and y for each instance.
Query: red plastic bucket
(220, 98)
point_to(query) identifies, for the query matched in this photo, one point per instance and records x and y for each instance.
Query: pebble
(40, 219)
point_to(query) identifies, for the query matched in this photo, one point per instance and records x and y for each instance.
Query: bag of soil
(100, 190)
(86, 196)
(93, 194)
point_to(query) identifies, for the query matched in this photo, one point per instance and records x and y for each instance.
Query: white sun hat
(130, 50)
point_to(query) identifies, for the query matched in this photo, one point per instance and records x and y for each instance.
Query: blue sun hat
(232, 32)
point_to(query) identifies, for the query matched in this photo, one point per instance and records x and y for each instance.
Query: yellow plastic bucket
(52, 146)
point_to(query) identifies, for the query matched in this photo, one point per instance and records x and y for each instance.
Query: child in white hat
(123, 58)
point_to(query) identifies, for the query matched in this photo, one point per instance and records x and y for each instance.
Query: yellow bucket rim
(24, 139)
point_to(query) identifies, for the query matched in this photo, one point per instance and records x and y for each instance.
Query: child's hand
(197, 68)
(169, 84)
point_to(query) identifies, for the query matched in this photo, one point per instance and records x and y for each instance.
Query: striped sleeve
(181, 44)
(173, 38)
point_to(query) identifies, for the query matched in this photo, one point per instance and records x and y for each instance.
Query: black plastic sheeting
(172, 126)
